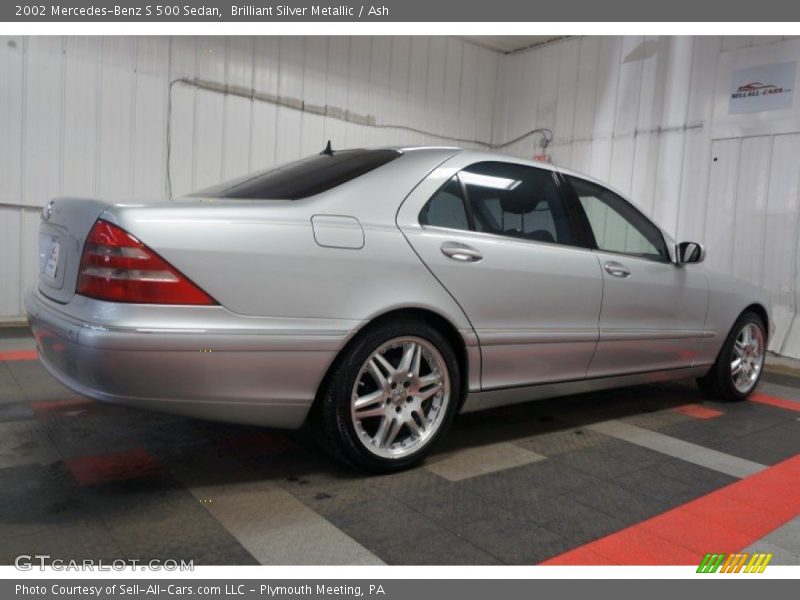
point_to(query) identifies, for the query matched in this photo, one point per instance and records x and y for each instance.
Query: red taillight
(116, 266)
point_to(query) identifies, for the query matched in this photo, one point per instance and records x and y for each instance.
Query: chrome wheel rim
(748, 358)
(400, 397)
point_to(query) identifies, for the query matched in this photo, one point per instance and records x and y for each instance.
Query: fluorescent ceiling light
(489, 181)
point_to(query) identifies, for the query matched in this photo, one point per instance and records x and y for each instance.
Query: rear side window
(446, 208)
(302, 178)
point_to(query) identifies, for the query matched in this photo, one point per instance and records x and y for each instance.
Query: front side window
(617, 226)
(503, 199)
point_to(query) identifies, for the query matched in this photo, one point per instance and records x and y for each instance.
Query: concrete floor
(644, 475)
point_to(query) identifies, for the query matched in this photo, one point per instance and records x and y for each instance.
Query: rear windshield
(302, 178)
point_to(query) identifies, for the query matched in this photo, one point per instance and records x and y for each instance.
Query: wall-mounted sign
(763, 87)
(755, 91)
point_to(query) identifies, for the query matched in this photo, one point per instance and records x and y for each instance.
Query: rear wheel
(738, 367)
(392, 395)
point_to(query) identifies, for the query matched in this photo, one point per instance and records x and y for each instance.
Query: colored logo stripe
(734, 563)
(710, 563)
(758, 563)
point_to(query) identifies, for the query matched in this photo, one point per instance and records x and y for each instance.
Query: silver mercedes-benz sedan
(377, 293)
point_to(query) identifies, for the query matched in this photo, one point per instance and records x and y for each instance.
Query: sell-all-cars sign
(762, 88)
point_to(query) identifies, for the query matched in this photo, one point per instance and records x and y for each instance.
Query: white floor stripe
(787, 536)
(783, 543)
(275, 527)
(699, 455)
(481, 460)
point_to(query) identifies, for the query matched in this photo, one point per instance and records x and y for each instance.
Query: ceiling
(508, 43)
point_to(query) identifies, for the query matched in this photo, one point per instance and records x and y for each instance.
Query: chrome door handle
(462, 252)
(616, 269)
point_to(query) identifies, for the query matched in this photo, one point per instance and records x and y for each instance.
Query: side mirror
(690, 252)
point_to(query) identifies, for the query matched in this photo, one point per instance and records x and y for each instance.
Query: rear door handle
(616, 269)
(462, 252)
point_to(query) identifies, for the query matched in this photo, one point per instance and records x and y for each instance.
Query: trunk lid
(64, 225)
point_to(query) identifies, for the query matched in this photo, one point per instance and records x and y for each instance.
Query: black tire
(333, 420)
(717, 384)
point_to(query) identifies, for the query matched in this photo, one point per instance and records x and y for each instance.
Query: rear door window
(505, 199)
(517, 201)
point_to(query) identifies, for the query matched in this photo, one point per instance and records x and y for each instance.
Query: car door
(653, 313)
(497, 235)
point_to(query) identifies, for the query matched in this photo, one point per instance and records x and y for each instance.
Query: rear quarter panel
(728, 298)
(260, 258)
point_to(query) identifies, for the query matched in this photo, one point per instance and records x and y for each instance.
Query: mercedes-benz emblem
(47, 211)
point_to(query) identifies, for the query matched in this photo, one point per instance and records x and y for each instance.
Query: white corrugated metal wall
(89, 115)
(636, 112)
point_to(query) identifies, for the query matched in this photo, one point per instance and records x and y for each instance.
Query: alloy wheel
(747, 358)
(400, 397)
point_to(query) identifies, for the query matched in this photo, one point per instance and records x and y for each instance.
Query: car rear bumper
(214, 365)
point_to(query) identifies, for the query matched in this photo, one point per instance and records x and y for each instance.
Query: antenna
(328, 150)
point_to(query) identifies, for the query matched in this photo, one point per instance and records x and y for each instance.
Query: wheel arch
(761, 311)
(716, 384)
(439, 322)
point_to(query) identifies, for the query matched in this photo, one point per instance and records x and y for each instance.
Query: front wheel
(392, 395)
(738, 367)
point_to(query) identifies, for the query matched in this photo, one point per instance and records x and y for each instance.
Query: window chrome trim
(497, 236)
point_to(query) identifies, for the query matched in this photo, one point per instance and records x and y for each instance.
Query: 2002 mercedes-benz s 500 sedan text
(378, 293)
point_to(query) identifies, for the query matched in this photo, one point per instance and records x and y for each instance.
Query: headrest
(517, 204)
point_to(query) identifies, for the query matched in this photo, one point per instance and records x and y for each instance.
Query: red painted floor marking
(51, 409)
(11, 355)
(105, 468)
(698, 411)
(696, 533)
(256, 443)
(758, 519)
(638, 547)
(775, 401)
(726, 520)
